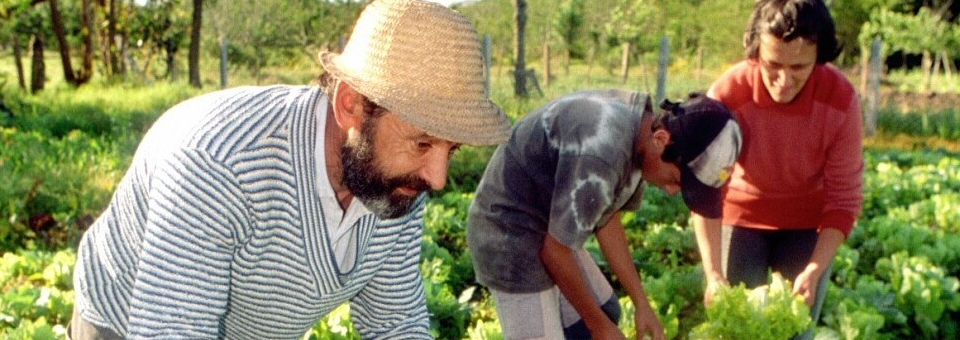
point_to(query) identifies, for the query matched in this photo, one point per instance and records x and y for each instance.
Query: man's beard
(368, 183)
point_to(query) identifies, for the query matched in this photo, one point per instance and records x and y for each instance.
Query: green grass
(66, 149)
(914, 81)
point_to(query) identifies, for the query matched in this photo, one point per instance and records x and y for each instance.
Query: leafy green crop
(769, 312)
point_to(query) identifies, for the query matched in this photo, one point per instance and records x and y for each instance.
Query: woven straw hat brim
(422, 61)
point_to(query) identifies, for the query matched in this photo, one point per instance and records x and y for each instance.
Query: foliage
(55, 186)
(923, 291)
(924, 31)
(258, 39)
(631, 22)
(37, 298)
(334, 326)
(568, 26)
(63, 153)
(903, 256)
(159, 27)
(591, 31)
(769, 312)
(466, 168)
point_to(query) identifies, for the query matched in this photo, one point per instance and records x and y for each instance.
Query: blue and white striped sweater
(215, 232)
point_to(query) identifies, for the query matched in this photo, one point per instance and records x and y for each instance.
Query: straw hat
(422, 61)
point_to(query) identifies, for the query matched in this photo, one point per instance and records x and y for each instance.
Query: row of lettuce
(895, 278)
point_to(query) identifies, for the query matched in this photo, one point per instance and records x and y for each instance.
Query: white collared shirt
(336, 223)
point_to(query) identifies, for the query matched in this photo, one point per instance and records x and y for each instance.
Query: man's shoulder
(587, 112)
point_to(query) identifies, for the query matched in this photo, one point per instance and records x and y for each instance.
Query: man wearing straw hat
(253, 212)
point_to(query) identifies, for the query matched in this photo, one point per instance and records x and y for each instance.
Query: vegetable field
(895, 278)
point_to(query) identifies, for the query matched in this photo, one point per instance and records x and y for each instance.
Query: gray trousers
(80, 329)
(547, 314)
(749, 255)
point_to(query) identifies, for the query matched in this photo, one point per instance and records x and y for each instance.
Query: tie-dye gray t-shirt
(567, 168)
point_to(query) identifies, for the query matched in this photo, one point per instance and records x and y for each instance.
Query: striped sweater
(215, 232)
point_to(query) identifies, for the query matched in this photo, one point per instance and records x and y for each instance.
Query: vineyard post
(223, 62)
(662, 64)
(873, 88)
(546, 60)
(625, 63)
(487, 63)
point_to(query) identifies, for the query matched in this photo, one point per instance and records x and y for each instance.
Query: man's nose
(434, 171)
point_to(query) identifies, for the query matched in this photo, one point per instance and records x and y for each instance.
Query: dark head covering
(705, 143)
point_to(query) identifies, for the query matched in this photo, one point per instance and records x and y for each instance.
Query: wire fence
(928, 111)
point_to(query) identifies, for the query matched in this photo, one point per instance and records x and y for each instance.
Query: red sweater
(801, 165)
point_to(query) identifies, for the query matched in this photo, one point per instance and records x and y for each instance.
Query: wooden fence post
(546, 61)
(662, 63)
(486, 63)
(873, 92)
(625, 63)
(224, 66)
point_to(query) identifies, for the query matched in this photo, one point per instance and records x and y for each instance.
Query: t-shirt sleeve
(583, 197)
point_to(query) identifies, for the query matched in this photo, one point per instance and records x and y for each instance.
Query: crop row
(895, 278)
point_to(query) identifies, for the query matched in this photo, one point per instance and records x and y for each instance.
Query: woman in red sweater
(796, 190)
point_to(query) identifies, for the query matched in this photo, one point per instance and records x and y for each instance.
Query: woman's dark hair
(791, 19)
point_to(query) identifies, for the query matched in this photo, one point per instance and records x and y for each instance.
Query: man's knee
(579, 330)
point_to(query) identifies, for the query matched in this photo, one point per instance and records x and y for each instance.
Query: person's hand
(648, 323)
(805, 284)
(713, 283)
(608, 331)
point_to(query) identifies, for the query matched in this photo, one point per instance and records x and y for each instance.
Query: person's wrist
(814, 269)
(715, 278)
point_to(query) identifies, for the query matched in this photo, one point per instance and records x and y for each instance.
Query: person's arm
(393, 303)
(843, 185)
(561, 263)
(806, 282)
(613, 243)
(182, 283)
(709, 234)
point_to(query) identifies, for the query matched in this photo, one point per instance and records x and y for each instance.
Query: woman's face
(785, 66)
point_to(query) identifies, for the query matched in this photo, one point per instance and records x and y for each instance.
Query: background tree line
(121, 40)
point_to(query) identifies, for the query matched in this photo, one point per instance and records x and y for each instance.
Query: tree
(568, 23)
(257, 39)
(38, 74)
(14, 17)
(194, 55)
(633, 26)
(88, 25)
(113, 37)
(78, 78)
(925, 33)
(160, 28)
(22, 18)
(520, 67)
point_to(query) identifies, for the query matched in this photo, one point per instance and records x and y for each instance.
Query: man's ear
(661, 138)
(348, 107)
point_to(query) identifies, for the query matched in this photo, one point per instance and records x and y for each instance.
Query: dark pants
(753, 253)
(80, 329)
(579, 329)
